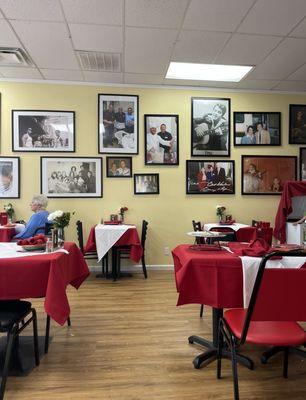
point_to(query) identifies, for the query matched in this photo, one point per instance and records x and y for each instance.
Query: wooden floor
(128, 340)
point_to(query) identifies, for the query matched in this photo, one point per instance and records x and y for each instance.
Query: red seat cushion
(275, 333)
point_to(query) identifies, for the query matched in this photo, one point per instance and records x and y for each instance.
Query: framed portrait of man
(297, 123)
(161, 139)
(210, 126)
(9, 177)
(118, 124)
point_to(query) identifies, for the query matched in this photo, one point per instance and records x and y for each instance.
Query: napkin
(257, 248)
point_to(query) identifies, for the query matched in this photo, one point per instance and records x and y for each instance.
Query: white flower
(55, 214)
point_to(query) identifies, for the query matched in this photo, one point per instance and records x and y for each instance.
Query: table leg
(211, 353)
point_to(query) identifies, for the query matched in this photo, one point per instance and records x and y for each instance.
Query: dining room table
(215, 278)
(105, 237)
(37, 274)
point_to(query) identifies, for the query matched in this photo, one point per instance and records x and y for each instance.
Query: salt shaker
(49, 246)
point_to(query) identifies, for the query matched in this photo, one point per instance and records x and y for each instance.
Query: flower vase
(121, 218)
(61, 234)
(221, 219)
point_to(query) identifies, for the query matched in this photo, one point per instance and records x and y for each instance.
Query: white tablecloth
(12, 250)
(107, 236)
(235, 226)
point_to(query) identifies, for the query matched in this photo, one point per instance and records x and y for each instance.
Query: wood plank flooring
(128, 341)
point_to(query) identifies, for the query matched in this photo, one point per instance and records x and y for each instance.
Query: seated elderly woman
(39, 218)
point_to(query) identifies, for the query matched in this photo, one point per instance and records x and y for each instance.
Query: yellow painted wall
(170, 213)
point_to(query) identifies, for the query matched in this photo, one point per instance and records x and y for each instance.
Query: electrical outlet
(166, 251)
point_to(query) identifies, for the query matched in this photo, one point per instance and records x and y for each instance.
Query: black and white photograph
(146, 183)
(119, 167)
(118, 124)
(257, 128)
(71, 177)
(43, 131)
(210, 177)
(302, 163)
(9, 177)
(161, 139)
(210, 126)
(297, 123)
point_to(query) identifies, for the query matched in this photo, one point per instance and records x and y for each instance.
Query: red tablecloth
(291, 189)
(6, 234)
(129, 238)
(214, 278)
(46, 276)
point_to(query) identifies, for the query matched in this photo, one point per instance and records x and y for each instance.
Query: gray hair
(40, 200)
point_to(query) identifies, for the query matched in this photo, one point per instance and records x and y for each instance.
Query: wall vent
(99, 61)
(13, 56)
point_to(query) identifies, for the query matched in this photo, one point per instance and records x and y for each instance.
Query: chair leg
(68, 321)
(115, 255)
(144, 268)
(201, 310)
(234, 369)
(285, 365)
(219, 351)
(9, 346)
(35, 337)
(47, 334)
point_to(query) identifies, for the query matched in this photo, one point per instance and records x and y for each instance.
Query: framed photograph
(297, 123)
(302, 165)
(118, 124)
(161, 139)
(71, 176)
(210, 126)
(266, 175)
(9, 177)
(210, 177)
(43, 131)
(257, 128)
(119, 167)
(146, 183)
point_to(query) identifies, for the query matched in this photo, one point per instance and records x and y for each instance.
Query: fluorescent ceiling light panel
(207, 72)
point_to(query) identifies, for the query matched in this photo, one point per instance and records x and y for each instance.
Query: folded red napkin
(112, 222)
(257, 248)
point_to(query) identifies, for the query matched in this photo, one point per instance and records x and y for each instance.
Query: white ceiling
(269, 34)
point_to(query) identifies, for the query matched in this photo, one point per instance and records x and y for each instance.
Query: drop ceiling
(148, 34)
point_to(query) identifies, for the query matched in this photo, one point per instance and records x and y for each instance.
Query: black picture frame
(297, 123)
(9, 178)
(264, 128)
(74, 181)
(143, 188)
(210, 177)
(121, 135)
(265, 175)
(43, 131)
(302, 164)
(166, 127)
(210, 127)
(120, 171)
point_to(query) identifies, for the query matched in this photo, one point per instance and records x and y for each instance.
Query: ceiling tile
(298, 75)
(108, 12)
(30, 10)
(20, 73)
(48, 44)
(103, 77)
(293, 86)
(148, 50)
(273, 17)
(96, 37)
(7, 35)
(285, 59)
(144, 79)
(157, 13)
(198, 46)
(216, 15)
(247, 49)
(62, 74)
(300, 30)
(257, 84)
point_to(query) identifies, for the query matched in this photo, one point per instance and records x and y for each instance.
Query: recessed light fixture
(207, 72)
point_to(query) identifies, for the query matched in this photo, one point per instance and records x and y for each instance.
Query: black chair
(197, 227)
(123, 252)
(268, 320)
(13, 320)
(46, 229)
(90, 255)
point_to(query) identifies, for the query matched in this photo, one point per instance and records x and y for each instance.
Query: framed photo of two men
(161, 139)
(210, 126)
(257, 128)
(118, 124)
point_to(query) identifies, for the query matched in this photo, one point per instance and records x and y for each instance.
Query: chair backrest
(278, 294)
(196, 226)
(144, 233)
(79, 226)
(46, 229)
(254, 222)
